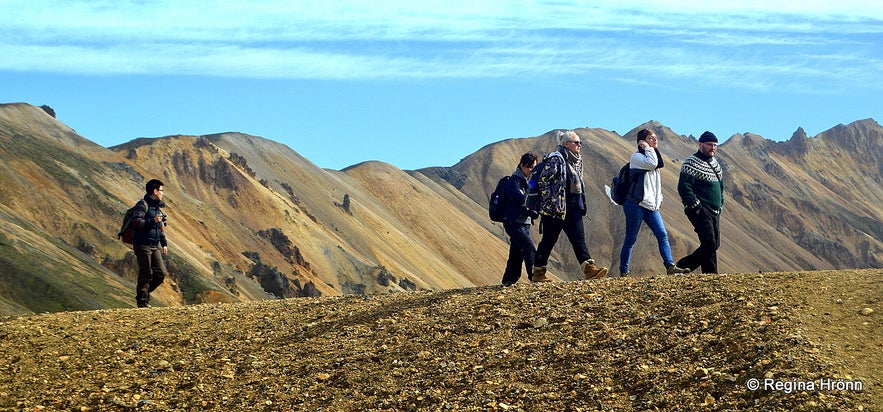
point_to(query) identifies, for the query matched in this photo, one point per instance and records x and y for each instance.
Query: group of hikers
(560, 204)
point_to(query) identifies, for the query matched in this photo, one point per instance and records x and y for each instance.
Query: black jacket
(514, 197)
(147, 231)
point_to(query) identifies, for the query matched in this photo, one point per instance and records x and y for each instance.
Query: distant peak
(863, 135)
(799, 134)
(661, 130)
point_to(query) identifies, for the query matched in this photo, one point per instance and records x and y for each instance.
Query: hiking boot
(674, 269)
(592, 271)
(624, 274)
(539, 275)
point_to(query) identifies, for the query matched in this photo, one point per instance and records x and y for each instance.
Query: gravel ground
(693, 342)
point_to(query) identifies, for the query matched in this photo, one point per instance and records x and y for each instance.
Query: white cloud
(747, 41)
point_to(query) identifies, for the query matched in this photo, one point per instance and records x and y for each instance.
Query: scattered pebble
(665, 343)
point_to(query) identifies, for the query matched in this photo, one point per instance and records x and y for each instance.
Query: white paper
(609, 194)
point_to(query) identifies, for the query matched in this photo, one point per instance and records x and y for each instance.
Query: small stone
(709, 400)
(867, 311)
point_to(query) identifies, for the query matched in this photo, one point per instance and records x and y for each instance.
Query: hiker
(149, 243)
(642, 203)
(517, 222)
(562, 206)
(701, 187)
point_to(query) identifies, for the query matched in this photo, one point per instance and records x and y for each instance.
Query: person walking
(643, 201)
(562, 206)
(517, 221)
(701, 187)
(149, 243)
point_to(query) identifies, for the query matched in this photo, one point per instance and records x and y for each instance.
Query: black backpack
(496, 206)
(533, 190)
(619, 187)
(127, 232)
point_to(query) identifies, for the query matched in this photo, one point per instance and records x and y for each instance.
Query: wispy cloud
(747, 43)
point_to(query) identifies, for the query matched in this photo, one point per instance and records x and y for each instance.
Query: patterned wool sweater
(702, 180)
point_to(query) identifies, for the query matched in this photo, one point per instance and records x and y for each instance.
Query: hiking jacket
(701, 183)
(147, 231)
(645, 178)
(552, 186)
(514, 197)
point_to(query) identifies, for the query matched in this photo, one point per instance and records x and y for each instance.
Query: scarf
(574, 168)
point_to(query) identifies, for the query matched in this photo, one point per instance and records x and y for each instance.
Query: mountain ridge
(251, 219)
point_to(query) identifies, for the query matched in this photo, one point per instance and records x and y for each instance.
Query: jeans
(707, 225)
(151, 271)
(572, 226)
(521, 249)
(634, 215)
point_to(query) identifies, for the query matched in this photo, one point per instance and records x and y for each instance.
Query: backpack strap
(146, 207)
(720, 178)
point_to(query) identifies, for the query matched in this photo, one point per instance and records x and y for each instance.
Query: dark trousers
(151, 271)
(707, 226)
(521, 249)
(572, 226)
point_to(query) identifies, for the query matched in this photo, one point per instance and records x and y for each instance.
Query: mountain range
(251, 219)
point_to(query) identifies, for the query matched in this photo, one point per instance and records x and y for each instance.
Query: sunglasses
(578, 143)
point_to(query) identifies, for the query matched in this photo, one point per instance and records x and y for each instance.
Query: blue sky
(426, 83)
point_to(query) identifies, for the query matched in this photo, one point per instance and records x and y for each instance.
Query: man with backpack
(517, 220)
(149, 242)
(562, 204)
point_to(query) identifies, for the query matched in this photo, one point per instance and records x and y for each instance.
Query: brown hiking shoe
(539, 275)
(592, 271)
(674, 270)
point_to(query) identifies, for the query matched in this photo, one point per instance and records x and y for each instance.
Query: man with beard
(701, 187)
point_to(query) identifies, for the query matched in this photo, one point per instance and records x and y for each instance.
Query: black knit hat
(708, 137)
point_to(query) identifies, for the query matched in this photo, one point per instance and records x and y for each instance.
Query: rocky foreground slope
(810, 339)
